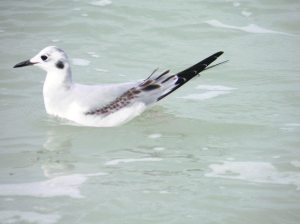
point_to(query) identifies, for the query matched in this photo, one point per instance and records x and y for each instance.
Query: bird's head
(49, 59)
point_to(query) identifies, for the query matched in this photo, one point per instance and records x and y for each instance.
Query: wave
(58, 186)
(251, 28)
(258, 172)
(211, 92)
(130, 160)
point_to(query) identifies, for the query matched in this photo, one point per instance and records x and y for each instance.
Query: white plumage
(103, 105)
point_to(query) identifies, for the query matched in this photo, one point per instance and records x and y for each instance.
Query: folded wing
(154, 88)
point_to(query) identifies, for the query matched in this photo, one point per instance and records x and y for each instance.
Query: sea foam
(251, 28)
(154, 135)
(211, 91)
(117, 161)
(80, 62)
(101, 3)
(12, 216)
(258, 172)
(58, 186)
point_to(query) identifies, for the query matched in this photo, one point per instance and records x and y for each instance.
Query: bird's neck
(57, 78)
(56, 91)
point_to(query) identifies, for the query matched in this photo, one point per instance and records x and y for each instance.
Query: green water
(222, 149)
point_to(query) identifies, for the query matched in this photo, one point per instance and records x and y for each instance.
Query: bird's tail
(186, 75)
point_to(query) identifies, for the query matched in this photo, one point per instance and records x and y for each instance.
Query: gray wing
(155, 87)
(148, 91)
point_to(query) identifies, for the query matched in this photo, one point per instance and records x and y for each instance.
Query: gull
(104, 105)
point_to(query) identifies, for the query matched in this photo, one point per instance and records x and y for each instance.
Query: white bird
(103, 105)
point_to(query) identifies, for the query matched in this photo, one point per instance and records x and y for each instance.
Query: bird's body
(108, 104)
(76, 101)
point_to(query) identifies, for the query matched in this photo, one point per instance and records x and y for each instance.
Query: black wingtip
(199, 67)
(188, 74)
(218, 54)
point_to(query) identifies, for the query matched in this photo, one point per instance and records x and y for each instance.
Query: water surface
(222, 149)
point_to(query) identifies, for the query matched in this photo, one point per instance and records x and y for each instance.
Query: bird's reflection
(57, 155)
(68, 148)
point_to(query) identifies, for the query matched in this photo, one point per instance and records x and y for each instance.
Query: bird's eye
(44, 57)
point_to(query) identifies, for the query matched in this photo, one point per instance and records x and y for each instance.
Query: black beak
(24, 63)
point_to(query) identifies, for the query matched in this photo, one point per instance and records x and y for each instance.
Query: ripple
(101, 70)
(293, 124)
(258, 172)
(215, 87)
(251, 28)
(246, 13)
(212, 91)
(236, 4)
(159, 148)
(117, 161)
(295, 163)
(11, 216)
(58, 186)
(154, 135)
(80, 62)
(101, 3)
(204, 96)
(93, 54)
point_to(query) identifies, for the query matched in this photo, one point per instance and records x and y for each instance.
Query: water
(223, 149)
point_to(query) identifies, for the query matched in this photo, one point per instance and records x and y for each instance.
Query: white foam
(84, 14)
(76, 9)
(246, 13)
(12, 216)
(236, 4)
(211, 92)
(251, 28)
(155, 135)
(215, 87)
(204, 96)
(159, 148)
(101, 70)
(58, 186)
(118, 161)
(80, 61)
(258, 172)
(164, 192)
(101, 3)
(295, 163)
(93, 54)
(55, 40)
(293, 124)
(56, 169)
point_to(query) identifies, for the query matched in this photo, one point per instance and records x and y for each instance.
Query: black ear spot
(60, 65)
